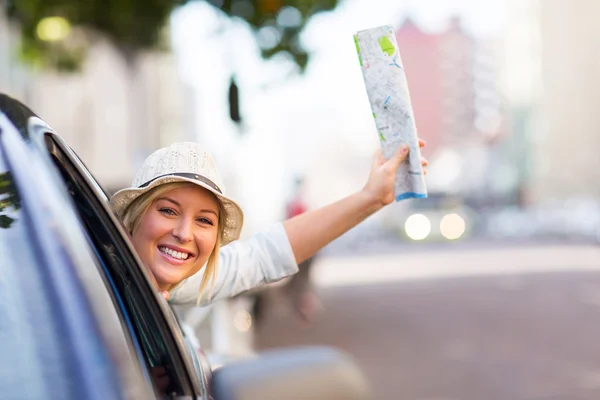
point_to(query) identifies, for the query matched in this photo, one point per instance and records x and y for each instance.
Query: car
(440, 217)
(79, 318)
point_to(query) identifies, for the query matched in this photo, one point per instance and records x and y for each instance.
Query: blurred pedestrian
(300, 290)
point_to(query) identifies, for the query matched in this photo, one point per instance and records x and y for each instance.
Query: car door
(157, 344)
(161, 345)
(60, 336)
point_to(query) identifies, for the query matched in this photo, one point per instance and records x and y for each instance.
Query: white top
(263, 258)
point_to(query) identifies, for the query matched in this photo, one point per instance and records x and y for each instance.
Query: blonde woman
(185, 228)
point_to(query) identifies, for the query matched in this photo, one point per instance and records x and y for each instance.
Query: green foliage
(261, 14)
(8, 199)
(135, 25)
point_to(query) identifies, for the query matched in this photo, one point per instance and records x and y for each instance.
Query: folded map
(387, 90)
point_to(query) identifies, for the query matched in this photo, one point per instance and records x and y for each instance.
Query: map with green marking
(387, 90)
(386, 46)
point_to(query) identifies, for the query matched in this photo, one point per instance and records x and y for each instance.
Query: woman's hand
(310, 231)
(380, 185)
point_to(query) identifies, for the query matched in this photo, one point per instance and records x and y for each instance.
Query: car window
(22, 345)
(163, 350)
(37, 361)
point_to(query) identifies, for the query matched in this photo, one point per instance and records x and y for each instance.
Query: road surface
(505, 323)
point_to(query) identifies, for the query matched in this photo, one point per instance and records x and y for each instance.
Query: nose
(183, 231)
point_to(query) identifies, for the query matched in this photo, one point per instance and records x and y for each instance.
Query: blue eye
(205, 221)
(167, 211)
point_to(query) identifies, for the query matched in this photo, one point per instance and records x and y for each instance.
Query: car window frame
(60, 246)
(57, 147)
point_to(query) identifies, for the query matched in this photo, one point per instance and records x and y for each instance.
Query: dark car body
(79, 318)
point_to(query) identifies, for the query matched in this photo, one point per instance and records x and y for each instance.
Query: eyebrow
(205, 210)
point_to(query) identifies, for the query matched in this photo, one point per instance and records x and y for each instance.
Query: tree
(56, 33)
(135, 25)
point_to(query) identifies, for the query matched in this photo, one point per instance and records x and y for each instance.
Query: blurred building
(452, 78)
(521, 83)
(440, 69)
(422, 61)
(113, 113)
(552, 82)
(569, 137)
(13, 77)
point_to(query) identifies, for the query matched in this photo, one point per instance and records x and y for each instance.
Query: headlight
(452, 226)
(417, 227)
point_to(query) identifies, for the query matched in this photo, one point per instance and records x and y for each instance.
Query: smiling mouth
(178, 255)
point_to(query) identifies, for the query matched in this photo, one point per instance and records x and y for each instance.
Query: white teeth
(175, 254)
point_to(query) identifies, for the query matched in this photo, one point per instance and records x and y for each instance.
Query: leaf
(6, 221)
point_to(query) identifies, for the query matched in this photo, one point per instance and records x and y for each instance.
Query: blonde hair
(139, 207)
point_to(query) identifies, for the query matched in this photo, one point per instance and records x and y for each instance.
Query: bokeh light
(417, 227)
(53, 29)
(452, 226)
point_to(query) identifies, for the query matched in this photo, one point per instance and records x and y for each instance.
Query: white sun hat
(182, 162)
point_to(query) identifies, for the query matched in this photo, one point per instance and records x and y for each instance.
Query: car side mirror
(302, 373)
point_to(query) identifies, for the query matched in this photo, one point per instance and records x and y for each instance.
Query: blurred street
(487, 289)
(499, 322)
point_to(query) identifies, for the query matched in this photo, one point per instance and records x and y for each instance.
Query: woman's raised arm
(274, 254)
(312, 230)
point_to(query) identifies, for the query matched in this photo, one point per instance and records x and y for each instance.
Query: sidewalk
(448, 262)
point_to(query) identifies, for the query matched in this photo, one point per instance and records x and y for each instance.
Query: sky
(318, 125)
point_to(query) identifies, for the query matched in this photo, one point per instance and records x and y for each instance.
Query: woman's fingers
(400, 155)
(424, 163)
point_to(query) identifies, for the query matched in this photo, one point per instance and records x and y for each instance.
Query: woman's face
(177, 234)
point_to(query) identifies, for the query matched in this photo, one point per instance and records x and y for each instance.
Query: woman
(180, 220)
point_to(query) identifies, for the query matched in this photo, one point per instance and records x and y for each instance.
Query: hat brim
(233, 219)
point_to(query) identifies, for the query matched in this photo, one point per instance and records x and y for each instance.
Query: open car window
(151, 323)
